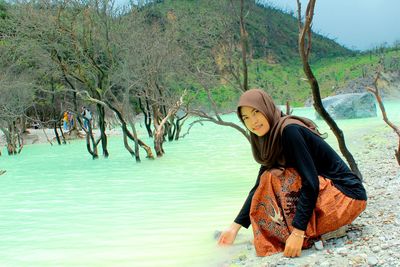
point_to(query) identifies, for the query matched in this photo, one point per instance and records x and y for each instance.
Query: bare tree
(244, 42)
(35, 49)
(219, 61)
(152, 66)
(374, 89)
(118, 110)
(304, 43)
(16, 97)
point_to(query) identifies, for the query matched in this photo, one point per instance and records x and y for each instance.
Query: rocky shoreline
(41, 136)
(374, 237)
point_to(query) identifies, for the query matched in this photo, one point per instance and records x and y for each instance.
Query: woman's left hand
(294, 243)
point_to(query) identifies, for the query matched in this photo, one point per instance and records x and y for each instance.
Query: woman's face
(254, 120)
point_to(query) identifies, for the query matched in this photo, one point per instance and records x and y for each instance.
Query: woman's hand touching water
(228, 236)
(294, 243)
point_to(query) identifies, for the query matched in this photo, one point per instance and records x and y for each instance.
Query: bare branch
(396, 129)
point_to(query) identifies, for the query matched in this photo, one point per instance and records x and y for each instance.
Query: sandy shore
(41, 136)
(374, 237)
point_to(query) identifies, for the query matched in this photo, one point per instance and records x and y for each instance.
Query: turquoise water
(58, 207)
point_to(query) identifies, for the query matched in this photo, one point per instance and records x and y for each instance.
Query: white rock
(372, 260)
(385, 246)
(376, 249)
(319, 245)
(342, 251)
(325, 263)
(351, 235)
(358, 260)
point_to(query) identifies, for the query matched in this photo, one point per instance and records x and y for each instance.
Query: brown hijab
(267, 149)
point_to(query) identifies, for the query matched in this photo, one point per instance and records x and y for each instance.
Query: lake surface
(58, 207)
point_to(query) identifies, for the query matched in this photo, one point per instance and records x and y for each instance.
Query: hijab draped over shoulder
(267, 149)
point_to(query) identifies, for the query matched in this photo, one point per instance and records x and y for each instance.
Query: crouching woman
(303, 189)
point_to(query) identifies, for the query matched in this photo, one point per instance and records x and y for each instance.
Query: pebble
(217, 234)
(376, 249)
(372, 260)
(325, 263)
(357, 260)
(319, 245)
(342, 251)
(374, 239)
(351, 235)
(242, 257)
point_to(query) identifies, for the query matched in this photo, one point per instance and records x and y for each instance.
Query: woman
(65, 119)
(303, 190)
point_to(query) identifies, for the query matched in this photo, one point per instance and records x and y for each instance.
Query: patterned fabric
(274, 205)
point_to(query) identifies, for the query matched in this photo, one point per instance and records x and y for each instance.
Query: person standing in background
(65, 121)
(87, 117)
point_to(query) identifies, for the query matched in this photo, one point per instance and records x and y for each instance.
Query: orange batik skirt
(274, 205)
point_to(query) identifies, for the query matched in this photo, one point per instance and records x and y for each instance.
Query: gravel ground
(374, 237)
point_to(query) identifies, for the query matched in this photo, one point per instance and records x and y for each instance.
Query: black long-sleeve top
(310, 156)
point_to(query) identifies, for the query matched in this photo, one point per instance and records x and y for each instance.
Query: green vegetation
(3, 9)
(272, 33)
(274, 63)
(287, 82)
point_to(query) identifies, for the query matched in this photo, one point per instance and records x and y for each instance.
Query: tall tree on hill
(244, 44)
(219, 58)
(304, 43)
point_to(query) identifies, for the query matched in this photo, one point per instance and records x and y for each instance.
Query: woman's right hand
(228, 236)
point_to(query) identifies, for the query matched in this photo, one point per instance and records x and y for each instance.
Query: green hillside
(333, 74)
(274, 62)
(272, 33)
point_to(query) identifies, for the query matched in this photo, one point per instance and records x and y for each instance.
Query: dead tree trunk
(178, 125)
(91, 144)
(304, 43)
(378, 97)
(158, 132)
(126, 132)
(56, 133)
(133, 137)
(147, 116)
(244, 43)
(55, 117)
(11, 145)
(62, 134)
(102, 127)
(160, 125)
(12, 138)
(171, 128)
(139, 142)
